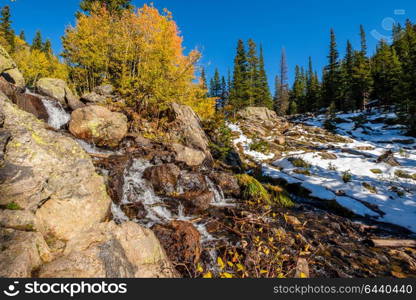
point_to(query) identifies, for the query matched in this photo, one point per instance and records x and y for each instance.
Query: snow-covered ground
(372, 189)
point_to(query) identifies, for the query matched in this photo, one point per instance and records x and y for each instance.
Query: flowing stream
(58, 117)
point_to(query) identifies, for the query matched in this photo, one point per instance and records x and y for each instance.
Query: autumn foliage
(140, 53)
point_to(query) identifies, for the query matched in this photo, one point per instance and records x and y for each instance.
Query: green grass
(347, 176)
(279, 196)
(303, 172)
(13, 206)
(402, 174)
(370, 188)
(260, 146)
(252, 189)
(299, 163)
(376, 171)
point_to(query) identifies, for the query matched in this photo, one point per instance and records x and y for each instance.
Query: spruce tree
(312, 89)
(6, 27)
(347, 103)
(216, 89)
(204, 79)
(239, 95)
(264, 97)
(253, 72)
(37, 43)
(331, 82)
(22, 36)
(297, 95)
(386, 74)
(47, 47)
(361, 74)
(282, 103)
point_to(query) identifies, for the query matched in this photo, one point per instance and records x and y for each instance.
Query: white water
(137, 189)
(58, 117)
(219, 198)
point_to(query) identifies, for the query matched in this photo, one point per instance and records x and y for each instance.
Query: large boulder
(21, 252)
(50, 175)
(227, 182)
(9, 70)
(98, 125)
(187, 128)
(181, 241)
(189, 156)
(257, 114)
(59, 90)
(164, 178)
(111, 251)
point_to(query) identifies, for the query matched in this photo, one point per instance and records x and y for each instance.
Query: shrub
(370, 188)
(376, 171)
(260, 146)
(279, 196)
(252, 189)
(299, 163)
(13, 206)
(347, 176)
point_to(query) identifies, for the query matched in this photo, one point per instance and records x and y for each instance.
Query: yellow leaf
(303, 275)
(207, 275)
(199, 268)
(240, 267)
(226, 275)
(220, 263)
(264, 272)
(230, 264)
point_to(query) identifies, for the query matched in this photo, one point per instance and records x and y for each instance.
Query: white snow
(326, 176)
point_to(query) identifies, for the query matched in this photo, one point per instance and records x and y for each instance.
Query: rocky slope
(92, 190)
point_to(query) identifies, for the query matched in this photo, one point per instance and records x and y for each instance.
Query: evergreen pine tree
(263, 97)
(282, 102)
(312, 89)
(348, 103)
(331, 80)
(253, 73)
(6, 27)
(37, 43)
(386, 73)
(22, 36)
(47, 47)
(239, 95)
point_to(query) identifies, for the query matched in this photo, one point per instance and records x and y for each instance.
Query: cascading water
(137, 189)
(219, 198)
(58, 117)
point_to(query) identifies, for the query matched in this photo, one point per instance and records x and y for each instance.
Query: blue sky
(214, 26)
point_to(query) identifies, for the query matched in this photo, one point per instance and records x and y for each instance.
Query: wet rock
(27, 102)
(50, 175)
(21, 253)
(98, 125)
(181, 241)
(164, 178)
(189, 156)
(389, 159)
(198, 201)
(59, 90)
(111, 251)
(134, 210)
(227, 182)
(191, 181)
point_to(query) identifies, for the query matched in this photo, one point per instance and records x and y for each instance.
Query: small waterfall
(219, 198)
(142, 191)
(58, 117)
(137, 189)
